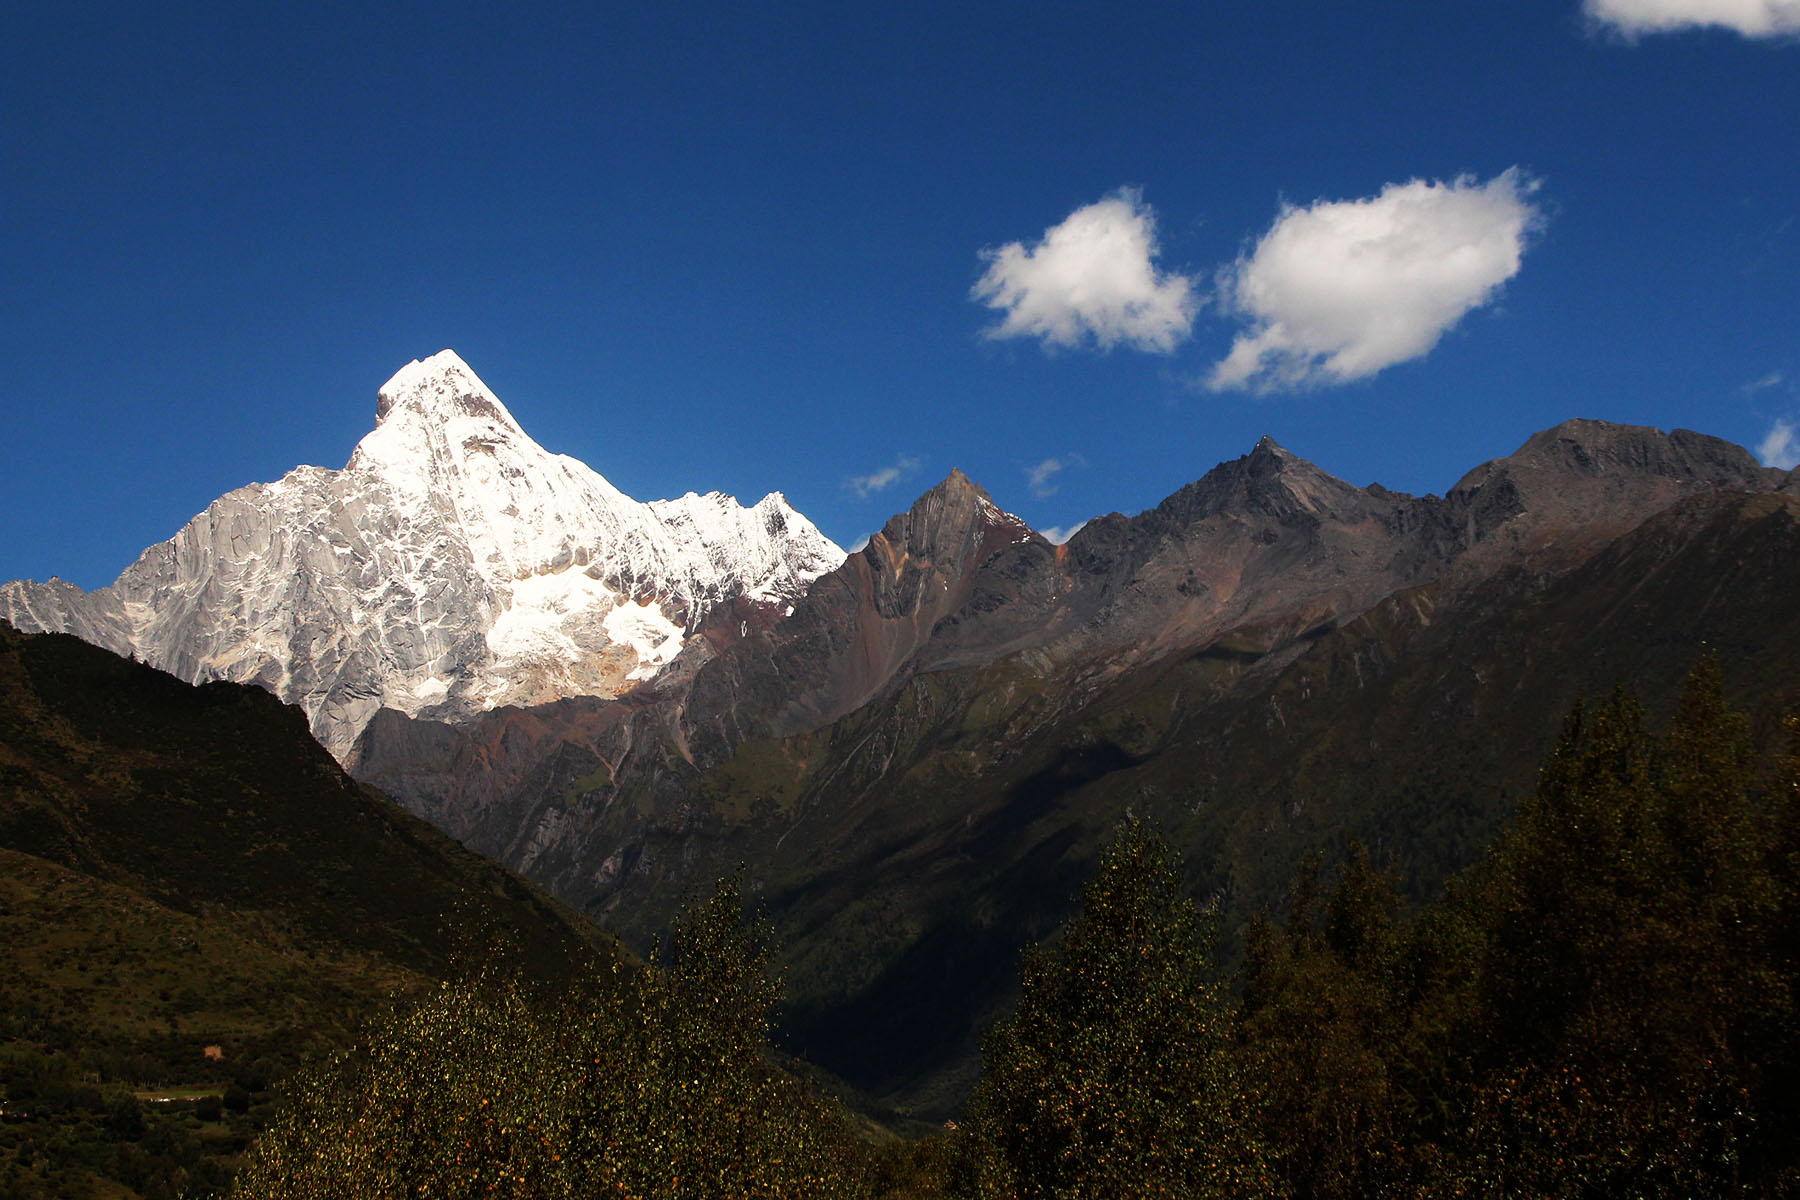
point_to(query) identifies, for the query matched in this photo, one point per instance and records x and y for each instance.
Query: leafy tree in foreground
(1115, 1076)
(448, 1098)
(686, 1103)
(653, 1087)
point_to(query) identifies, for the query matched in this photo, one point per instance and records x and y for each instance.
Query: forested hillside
(1604, 1005)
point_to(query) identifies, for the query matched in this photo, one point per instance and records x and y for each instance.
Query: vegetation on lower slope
(953, 820)
(904, 849)
(194, 900)
(1607, 1004)
(658, 1085)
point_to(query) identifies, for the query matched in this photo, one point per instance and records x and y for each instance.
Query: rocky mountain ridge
(1266, 549)
(1253, 561)
(916, 760)
(452, 566)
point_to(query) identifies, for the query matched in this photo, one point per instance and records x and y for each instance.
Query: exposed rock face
(1260, 551)
(1250, 563)
(864, 624)
(1571, 489)
(452, 566)
(1268, 659)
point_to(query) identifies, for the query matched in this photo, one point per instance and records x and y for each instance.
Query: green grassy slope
(193, 900)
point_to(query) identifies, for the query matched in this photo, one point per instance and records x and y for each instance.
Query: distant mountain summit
(453, 566)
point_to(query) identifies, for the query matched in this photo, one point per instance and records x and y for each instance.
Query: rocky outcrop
(1573, 488)
(860, 627)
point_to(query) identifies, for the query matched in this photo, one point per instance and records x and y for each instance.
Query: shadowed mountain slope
(916, 763)
(217, 797)
(194, 895)
(188, 868)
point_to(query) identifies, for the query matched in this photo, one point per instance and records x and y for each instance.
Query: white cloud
(1094, 276)
(1782, 447)
(1752, 18)
(878, 481)
(1042, 478)
(1342, 289)
(861, 544)
(1056, 535)
(1771, 380)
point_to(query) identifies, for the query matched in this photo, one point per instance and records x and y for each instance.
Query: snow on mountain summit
(440, 381)
(453, 565)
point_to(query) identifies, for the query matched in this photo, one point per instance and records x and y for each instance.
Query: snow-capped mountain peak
(441, 382)
(448, 448)
(453, 565)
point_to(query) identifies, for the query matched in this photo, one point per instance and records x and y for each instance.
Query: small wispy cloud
(1345, 288)
(1773, 379)
(1781, 448)
(1042, 477)
(1056, 535)
(1091, 277)
(1752, 18)
(879, 481)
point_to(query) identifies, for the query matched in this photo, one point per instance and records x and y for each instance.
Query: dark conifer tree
(1625, 971)
(1318, 1027)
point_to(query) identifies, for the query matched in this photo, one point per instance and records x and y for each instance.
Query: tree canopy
(1607, 1004)
(1115, 1075)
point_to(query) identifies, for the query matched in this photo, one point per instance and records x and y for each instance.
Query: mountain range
(915, 748)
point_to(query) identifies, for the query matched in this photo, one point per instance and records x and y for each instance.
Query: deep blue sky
(733, 246)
